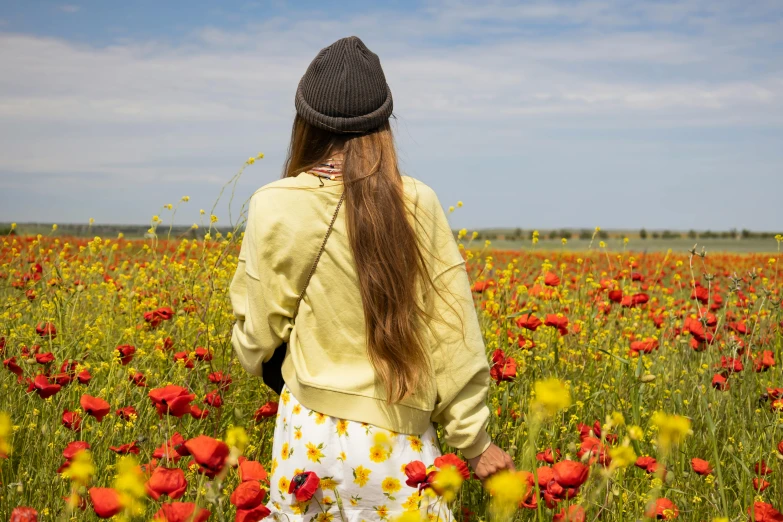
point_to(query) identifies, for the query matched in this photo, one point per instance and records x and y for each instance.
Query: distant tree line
(519, 234)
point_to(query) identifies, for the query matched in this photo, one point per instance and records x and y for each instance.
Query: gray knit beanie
(344, 89)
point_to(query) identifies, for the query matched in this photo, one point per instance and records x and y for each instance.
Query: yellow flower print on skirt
(361, 467)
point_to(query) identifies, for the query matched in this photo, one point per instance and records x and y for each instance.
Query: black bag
(272, 370)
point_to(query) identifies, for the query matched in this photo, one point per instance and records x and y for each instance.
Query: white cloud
(69, 8)
(156, 111)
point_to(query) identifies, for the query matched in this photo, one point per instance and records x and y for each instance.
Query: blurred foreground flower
(507, 490)
(672, 429)
(551, 397)
(447, 482)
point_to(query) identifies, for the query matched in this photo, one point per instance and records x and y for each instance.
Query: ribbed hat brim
(342, 125)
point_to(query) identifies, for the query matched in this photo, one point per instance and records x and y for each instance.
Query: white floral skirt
(361, 468)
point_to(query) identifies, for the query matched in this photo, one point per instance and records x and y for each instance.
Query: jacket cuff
(479, 446)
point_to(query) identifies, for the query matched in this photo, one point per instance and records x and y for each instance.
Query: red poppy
(168, 344)
(558, 321)
(702, 467)
(125, 449)
(75, 447)
(62, 378)
(183, 356)
(615, 296)
(126, 352)
(649, 464)
(181, 512)
(251, 470)
(763, 512)
(14, 368)
(24, 514)
(155, 317)
(198, 413)
(733, 364)
(504, 368)
(719, 382)
(765, 361)
(202, 354)
(544, 475)
(105, 502)
(780, 447)
(248, 495)
(43, 387)
(267, 410)
(480, 286)
(44, 358)
(551, 279)
(450, 459)
(95, 406)
(214, 399)
(740, 328)
(701, 293)
(172, 399)
(573, 514)
(167, 481)
(759, 484)
(569, 473)
(139, 379)
(174, 448)
(663, 508)
(255, 514)
(126, 413)
(46, 330)
(223, 379)
(209, 453)
(548, 456)
(597, 451)
(645, 346)
(529, 322)
(761, 468)
(72, 420)
(304, 485)
(69, 367)
(416, 472)
(84, 377)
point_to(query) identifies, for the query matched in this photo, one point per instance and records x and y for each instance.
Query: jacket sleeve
(459, 357)
(259, 299)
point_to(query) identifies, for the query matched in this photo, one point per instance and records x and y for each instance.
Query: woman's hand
(490, 462)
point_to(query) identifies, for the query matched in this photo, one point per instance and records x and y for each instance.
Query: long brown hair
(389, 260)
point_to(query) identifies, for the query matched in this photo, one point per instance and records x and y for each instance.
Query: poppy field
(625, 386)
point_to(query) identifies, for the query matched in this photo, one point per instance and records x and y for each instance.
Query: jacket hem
(358, 408)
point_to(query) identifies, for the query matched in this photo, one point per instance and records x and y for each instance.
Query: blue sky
(535, 114)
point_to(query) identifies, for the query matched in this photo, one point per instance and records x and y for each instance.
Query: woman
(386, 340)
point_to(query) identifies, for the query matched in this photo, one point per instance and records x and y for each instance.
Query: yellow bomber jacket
(327, 367)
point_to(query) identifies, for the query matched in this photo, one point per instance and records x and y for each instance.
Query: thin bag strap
(321, 251)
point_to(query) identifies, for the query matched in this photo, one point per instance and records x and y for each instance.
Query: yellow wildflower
(551, 396)
(447, 482)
